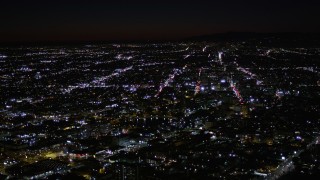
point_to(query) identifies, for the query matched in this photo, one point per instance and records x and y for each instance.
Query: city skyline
(134, 90)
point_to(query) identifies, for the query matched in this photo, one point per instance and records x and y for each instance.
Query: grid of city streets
(158, 111)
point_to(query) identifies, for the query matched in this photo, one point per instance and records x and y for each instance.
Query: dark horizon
(219, 37)
(81, 21)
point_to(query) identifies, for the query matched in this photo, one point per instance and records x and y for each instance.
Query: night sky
(71, 20)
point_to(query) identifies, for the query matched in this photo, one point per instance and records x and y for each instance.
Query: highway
(287, 165)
